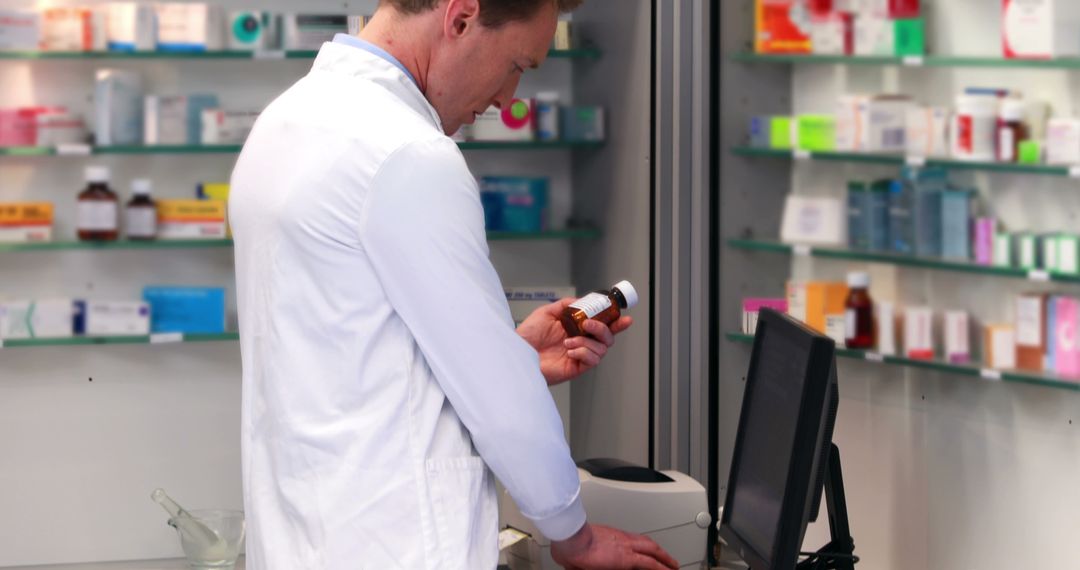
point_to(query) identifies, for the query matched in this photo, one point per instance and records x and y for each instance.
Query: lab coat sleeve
(422, 227)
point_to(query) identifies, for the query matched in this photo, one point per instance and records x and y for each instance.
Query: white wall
(78, 459)
(944, 472)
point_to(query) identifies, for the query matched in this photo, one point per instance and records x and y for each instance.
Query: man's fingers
(622, 324)
(585, 356)
(648, 547)
(600, 332)
(643, 562)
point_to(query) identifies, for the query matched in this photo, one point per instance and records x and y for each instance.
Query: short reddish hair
(493, 13)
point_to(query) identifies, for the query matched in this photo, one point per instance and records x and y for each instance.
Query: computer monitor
(783, 451)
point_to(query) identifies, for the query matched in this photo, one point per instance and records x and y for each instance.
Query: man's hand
(563, 358)
(611, 549)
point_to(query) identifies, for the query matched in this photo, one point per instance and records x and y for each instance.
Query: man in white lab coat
(383, 379)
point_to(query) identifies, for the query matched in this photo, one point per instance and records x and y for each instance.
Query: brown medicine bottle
(141, 212)
(99, 208)
(859, 312)
(603, 306)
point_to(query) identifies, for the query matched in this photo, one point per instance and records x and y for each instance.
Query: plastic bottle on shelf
(99, 208)
(859, 312)
(603, 306)
(1011, 130)
(547, 116)
(141, 212)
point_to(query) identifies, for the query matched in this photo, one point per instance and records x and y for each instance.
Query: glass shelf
(1021, 377)
(115, 340)
(580, 53)
(900, 259)
(568, 234)
(911, 61)
(233, 149)
(899, 160)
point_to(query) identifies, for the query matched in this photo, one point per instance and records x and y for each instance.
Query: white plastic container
(974, 126)
(118, 107)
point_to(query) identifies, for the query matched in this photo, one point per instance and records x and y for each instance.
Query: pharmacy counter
(178, 564)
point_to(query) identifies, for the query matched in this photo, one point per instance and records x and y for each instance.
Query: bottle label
(850, 319)
(97, 216)
(1007, 143)
(592, 304)
(141, 222)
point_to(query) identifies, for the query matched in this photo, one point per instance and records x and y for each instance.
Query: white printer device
(668, 507)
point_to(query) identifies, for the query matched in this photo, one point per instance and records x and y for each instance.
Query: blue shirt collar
(373, 49)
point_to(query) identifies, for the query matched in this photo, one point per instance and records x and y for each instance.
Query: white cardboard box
(115, 318)
(51, 318)
(1040, 29)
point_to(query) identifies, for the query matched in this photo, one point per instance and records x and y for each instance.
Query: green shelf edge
(578, 53)
(940, 61)
(570, 234)
(116, 340)
(895, 259)
(1015, 377)
(900, 160)
(234, 149)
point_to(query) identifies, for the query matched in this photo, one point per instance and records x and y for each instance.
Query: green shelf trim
(900, 160)
(916, 61)
(580, 53)
(569, 234)
(901, 259)
(1014, 376)
(233, 149)
(118, 340)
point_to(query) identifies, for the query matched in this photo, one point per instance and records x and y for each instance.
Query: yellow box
(26, 213)
(22, 222)
(814, 301)
(214, 191)
(191, 210)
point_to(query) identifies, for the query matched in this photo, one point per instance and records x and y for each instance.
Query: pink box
(1066, 347)
(984, 240)
(751, 308)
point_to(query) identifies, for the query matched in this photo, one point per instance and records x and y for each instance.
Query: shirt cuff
(565, 523)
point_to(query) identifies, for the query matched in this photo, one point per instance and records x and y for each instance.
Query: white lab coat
(382, 373)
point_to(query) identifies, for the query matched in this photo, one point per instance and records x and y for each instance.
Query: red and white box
(1040, 29)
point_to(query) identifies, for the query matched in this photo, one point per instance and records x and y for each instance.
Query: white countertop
(178, 564)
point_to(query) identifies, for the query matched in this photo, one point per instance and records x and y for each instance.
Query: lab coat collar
(347, 60)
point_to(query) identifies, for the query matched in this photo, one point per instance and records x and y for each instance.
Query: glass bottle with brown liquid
(141, 212)
(99, 208)
(859, 312)
(603, 306)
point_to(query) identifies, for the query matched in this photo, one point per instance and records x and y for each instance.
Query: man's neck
(386, 30)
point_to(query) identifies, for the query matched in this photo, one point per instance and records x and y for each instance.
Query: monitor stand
(840, 553)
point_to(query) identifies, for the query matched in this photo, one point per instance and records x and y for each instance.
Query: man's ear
(462, 17)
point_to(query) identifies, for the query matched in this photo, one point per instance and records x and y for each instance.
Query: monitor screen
(784, 433)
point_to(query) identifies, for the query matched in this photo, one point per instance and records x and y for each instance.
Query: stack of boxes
(840, 27)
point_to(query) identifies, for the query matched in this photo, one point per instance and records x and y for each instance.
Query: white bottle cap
(858, 280)
(1013, 110)
(142, 187)
(628, 292)
(97, 174)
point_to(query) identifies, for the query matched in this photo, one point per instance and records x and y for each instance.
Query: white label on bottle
(850, 318)
(141, 222)
(97, 216)
(592, 304)
(1007, 144)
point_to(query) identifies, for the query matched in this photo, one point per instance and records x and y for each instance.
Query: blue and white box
(522, 203)
(189, 310)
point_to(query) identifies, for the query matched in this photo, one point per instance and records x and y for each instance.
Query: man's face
(484, 65)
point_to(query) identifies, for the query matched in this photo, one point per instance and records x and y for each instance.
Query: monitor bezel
(809, 433)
